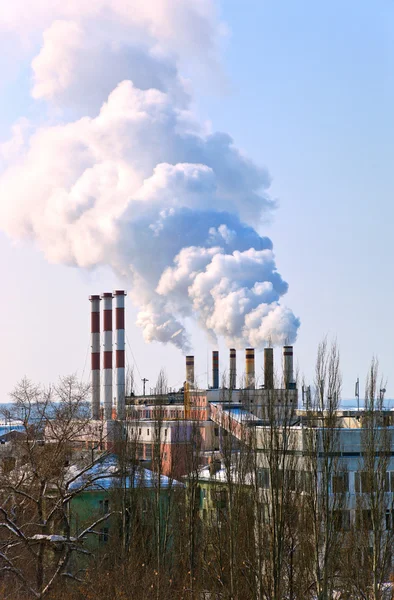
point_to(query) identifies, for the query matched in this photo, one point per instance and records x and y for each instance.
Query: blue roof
(13, 427)
(240, 414)
(105, 475)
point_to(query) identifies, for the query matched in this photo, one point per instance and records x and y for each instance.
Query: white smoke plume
(133, 180)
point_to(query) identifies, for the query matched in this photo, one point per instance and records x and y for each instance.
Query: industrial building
(169, 422)
(166, 426)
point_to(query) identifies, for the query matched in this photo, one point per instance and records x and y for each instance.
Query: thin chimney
(288, 367)
(250, 374)
(120, 353)
(215, 369)
(233, 368)
(268, 368)
(95, 355)
(190, 370)
(107, 297)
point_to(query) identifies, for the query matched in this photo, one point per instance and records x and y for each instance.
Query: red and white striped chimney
(107, 297)
(233, 368)
(95, 364)
(120, 357)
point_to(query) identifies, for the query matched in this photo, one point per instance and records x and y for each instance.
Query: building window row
(297, 480)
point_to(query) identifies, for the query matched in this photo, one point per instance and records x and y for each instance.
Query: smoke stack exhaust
(120, 354)
(107, 297)
(190, 370)
(215, 369)
(288, 367)
(268, 368)
(249, 374)
(233, 368)
(95, 355)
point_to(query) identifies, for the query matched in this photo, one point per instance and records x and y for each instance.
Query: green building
(120, 503)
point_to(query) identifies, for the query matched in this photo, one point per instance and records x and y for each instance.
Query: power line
(86, 360)
(132, 354)
(134, 360)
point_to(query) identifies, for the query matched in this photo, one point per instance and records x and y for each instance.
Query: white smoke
(140, 185)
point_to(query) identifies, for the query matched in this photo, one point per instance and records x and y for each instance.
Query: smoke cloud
(133, 180)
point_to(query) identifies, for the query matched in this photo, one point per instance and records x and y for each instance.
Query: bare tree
(373, 526)
(322, 450)
(36, 537)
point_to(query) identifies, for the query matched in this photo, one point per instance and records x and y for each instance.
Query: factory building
(176, 432)
(185, 416)
(170, 427)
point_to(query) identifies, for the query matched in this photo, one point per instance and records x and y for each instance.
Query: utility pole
(357, 393)
(144, 381)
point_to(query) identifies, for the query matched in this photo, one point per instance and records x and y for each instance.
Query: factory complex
(170, 423)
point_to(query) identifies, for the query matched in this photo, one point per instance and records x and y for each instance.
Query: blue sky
(309, 95)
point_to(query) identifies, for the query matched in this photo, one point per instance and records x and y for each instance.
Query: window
(219, 497)
(140, 450)
(389, 519)
(366, 482)
(165, 432)
(363, 482)
(292, 480)
(221, 516)
(305, 481)
(139, 431)
(342, 520)
(148, 451)
(104, 506)
(340, 483)
(364, 520)
(277, 478)
(147, 432)
(263, 478)
(103, 535)
(216, 431)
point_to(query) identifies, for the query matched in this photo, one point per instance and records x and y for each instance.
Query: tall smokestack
(120, 357)
(233, 368)
(95, 357)
(190, 370)
(268, 368)
(249, 375)
(288, 367)
(107, 297)
(215, 369)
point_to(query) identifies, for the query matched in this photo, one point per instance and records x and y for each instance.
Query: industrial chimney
(190, 370)
(249, 374)
(268, 368)
(107, 297)
(120, 355)
(288, 367)
(233, 368)
(215, 369)
(95, 355)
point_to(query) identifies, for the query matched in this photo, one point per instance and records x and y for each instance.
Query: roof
(12, 426)
(221, 475)
(106, 475)
(11, 434)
